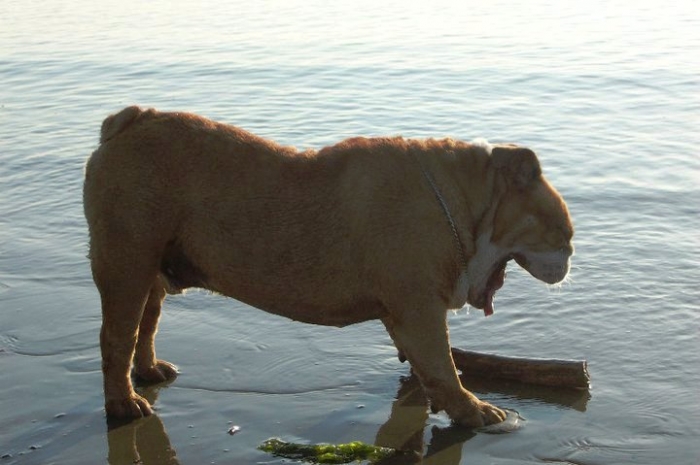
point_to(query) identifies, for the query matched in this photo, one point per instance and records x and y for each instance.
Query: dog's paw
(491, 414)
(478, 414)
(161, 372)
(134, 406)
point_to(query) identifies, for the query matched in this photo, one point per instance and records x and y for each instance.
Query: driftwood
(546, 372)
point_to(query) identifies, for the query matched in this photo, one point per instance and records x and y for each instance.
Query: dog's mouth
(494, 283)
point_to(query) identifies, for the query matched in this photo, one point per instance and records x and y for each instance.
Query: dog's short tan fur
(352, 232)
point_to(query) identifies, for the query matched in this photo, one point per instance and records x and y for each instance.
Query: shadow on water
(146, 441)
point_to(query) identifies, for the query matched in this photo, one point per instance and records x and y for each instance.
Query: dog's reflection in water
(146, 442)
(405, 430)
(142, 442)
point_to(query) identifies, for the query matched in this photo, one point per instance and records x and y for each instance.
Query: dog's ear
(519, 164)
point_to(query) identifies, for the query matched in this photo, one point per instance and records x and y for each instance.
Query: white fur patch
(487, 256)
(483, 143)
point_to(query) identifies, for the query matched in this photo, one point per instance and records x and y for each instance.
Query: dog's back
(210, 205)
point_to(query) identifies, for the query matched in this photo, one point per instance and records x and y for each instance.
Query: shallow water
(608, 95)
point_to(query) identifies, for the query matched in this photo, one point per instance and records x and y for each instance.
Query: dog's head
(528, 222)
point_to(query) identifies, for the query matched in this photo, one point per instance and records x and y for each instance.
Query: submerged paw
(134, 406)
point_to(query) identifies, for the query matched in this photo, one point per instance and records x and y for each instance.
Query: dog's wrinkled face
(530, 224)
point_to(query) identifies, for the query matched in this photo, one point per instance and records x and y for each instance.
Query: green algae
(355, 451)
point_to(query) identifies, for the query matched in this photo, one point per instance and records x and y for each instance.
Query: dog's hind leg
(146, 366)
(122, 308)
(124, 278)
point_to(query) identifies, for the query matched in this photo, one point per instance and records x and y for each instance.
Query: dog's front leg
(422, 336)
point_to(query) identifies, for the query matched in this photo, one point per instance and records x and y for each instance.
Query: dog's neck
(450, 220)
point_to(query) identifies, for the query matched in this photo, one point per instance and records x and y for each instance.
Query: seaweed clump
(355, 451)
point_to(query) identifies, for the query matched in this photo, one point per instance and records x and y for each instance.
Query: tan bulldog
(393, 229)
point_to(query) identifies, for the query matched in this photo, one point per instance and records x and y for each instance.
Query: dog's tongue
(488, 308)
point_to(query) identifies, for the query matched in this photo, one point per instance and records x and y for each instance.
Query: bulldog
(386, 228)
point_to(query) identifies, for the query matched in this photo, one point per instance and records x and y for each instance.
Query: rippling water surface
(606, 92)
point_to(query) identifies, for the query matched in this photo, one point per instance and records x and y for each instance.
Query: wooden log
(546, 372)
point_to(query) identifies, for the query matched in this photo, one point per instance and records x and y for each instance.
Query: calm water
(607, 92)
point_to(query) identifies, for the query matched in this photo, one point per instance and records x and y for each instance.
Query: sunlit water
(606, 92)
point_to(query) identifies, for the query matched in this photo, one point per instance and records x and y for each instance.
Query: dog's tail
(114, 124)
